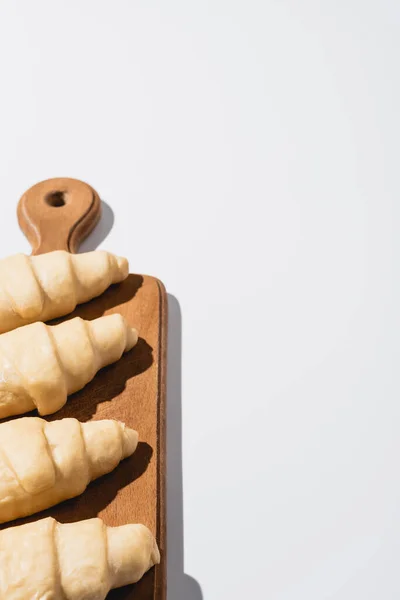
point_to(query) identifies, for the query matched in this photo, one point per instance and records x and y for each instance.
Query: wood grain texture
(131, 390)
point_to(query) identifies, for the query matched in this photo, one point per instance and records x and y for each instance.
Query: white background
(249, 151)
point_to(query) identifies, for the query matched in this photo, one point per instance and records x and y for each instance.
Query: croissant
(42, 464)
(40, 288)
(47, 560)
(40, 365)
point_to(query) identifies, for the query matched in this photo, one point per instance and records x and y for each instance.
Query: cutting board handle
(57, 214)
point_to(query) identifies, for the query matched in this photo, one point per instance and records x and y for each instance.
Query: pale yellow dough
(40, 365)
(42, 464)
(40, 288)
(47, 560)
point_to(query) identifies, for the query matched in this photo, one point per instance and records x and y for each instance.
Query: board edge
(160, 587)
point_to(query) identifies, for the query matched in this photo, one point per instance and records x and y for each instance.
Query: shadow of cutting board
(56, 215)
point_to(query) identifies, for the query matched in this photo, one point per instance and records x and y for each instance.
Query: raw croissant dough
(47, 560)
(40, 288)
(42, 464)
(41, 365)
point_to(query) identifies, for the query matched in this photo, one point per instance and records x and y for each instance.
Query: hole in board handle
(56, 199)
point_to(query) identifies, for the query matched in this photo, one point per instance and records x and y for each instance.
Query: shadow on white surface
(180, 586)
(101, 231)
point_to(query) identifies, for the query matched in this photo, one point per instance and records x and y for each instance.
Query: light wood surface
(58, 214)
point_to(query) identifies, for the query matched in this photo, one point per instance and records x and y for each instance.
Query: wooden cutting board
(58, 214)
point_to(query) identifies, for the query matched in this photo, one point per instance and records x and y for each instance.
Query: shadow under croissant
(114, 296)
(99, 493)
(107, 384)
(142, 589)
